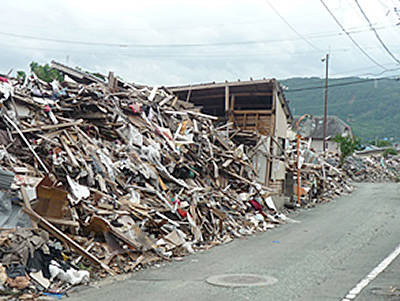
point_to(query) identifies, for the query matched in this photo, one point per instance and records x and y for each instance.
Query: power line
(370, 73)
(292, 28)
(350, 37)
(376, 34)
(383, 4)
(151, 54)
(140, 53)
(136, 45)
(337, 85)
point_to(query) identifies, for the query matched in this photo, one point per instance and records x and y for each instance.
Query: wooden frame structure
(253, 106)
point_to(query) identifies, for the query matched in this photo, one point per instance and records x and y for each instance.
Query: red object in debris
(3, 79)
(256, 205)
(133, 109)
(47, 108)
(182, 213)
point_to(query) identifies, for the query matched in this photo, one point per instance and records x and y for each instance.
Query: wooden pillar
(188, 95)
(272, 129)
(227, 108)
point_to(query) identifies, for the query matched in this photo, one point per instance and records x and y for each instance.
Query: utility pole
(326, 99)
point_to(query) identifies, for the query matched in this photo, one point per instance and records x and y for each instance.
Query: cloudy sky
(174, 42)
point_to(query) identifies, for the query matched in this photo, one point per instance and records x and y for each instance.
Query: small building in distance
(334, 126)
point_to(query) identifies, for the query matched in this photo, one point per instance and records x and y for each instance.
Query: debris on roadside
(101, 177)
(320, 178)
(373, 168)
(113, 177)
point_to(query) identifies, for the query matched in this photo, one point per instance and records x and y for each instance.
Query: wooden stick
(61, 236)
(51, 127)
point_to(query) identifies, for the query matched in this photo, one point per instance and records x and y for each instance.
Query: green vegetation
(371, 107)
(389, 151)
(21, 75)
(96, 74)
(347, 146)
(380, 143)
(46, 73)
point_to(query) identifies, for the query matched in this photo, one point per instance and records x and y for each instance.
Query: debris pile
(373, 168)
(326, 181)
(320, 178)
(114, 176)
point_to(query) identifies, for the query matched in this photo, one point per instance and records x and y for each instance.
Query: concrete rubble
(101, 177)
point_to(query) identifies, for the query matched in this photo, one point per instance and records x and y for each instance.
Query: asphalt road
(322, 255)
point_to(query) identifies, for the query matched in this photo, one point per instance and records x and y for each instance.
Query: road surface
(323, 254)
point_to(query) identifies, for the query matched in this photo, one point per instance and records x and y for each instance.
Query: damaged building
(257, 112)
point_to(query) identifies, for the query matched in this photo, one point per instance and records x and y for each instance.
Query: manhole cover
(241, 280)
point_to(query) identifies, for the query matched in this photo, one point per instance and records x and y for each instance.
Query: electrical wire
(370, 73)
(376, 34)
(339, 84)
(155, 54)
(383, 4)
(292, 28)
(350, 37)
(136, 45)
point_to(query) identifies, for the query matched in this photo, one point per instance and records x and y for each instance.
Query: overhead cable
(350, 37)
(292, 28)
(338, 85)
(149, 45)
(376, 33)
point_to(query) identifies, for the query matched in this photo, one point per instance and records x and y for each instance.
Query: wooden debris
(129, 174)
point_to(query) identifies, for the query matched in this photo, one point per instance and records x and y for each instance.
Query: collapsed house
(258, 114)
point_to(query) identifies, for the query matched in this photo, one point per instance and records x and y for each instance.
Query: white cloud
(217, 25)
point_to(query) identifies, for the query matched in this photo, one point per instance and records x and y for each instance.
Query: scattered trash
(106, 177)
(372, 168)
(115, 177)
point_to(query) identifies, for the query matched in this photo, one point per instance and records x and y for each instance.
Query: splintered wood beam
(68, 241)
(245, 180)
(51, 127)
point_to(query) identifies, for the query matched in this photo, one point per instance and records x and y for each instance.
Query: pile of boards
(327, 181)
(122, 175)
(320, 178)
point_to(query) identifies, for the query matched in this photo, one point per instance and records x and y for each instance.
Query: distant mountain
(370, 106)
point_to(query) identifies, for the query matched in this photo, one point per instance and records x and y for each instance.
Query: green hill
(370, 106)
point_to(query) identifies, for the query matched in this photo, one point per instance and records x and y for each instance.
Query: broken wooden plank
(61, 236)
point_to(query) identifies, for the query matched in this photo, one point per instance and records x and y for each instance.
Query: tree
(347, 146)
(21, 75)
(46, 73)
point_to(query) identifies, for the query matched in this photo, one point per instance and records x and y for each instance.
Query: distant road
(323, 255)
